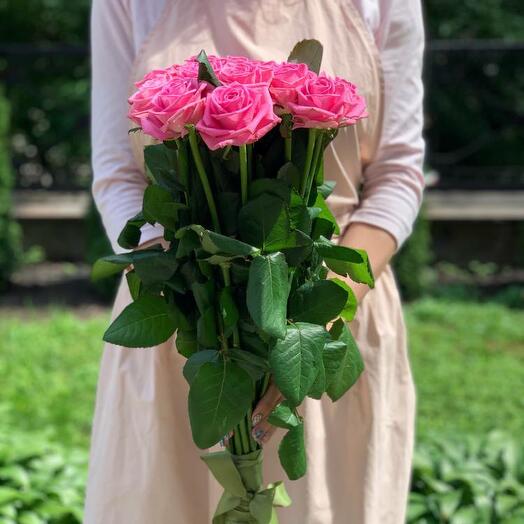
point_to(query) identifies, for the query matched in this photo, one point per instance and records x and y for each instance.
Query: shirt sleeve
(393, 183)
(118, 185)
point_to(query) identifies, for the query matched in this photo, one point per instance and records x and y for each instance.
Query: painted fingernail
(258, 434)
(256, 419)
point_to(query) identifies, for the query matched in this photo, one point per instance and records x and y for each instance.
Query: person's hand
(262, 429)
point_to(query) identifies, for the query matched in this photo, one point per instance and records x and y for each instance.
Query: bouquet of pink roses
(237, 182)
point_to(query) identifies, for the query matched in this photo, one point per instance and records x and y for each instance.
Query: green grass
(48, 372)
(467, 358)
(468, 363)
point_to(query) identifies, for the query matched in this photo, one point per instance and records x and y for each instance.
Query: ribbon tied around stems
(244, 499)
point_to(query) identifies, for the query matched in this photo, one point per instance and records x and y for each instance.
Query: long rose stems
(312, 136)
(227, 282)
(183, 166)
(288, 148)
(193, 143)
(243, 173)
(249, 163)
(242, 442)
(317, 157)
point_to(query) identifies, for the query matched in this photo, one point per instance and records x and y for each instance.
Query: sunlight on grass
(48, 372)
(468, 362)
(467, 358)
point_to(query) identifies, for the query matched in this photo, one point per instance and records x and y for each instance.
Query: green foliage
(44, 21)
(468, 481)
(49, 93)
(51, 111)
(250, 304)
(474, 19)
(10, 242)
(292, 452)
(343, 363)
(98, 245)
(40, 482)
(308, 52)
(146, 322)
(220, 395)
(317, 302)
(267, 293)
(296, 358)
(284, 416)
(411, 263)
(205, 71)
(512, 296)
(346, 261)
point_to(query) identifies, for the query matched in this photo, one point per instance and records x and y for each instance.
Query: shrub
(98, 246)
(411, 263)
(471, 480)
(10, 247)
(40, 482)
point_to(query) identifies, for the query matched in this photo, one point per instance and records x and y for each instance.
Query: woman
(144, 468)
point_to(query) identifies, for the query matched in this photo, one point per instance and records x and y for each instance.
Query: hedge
(10, 243)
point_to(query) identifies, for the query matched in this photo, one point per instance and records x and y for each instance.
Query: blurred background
(461, 273)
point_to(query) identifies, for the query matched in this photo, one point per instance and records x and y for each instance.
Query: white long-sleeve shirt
(392, 184)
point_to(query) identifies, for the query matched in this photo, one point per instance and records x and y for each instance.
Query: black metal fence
(474, 114)
(48, 90)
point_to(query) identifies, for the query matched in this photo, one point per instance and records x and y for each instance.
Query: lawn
(48, 372)
(468, 363)
(467, 358)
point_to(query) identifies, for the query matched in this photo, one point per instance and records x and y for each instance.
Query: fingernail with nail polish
(258, 434)
(256, 419)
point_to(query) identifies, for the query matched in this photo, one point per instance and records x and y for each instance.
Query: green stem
(249, 163)
(265, 384)
(227, 282)
(243, 173)
(244, 436)
(223, 339)
(288, 145)
(226, 274)
(237, 443)
(312, 135)
(193, 142)
(291, 275)
(183, 167)
(317, 156)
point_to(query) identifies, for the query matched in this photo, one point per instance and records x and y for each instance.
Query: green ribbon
(244, 499)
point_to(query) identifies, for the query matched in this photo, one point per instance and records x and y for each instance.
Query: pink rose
(287, 78)
(237, 114)
(325, 102)
(154, 80)
(148, 87)
(187, 70)
(165, 113)
(244, 71)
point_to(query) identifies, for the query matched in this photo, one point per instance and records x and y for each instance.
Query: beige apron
(144, 467)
